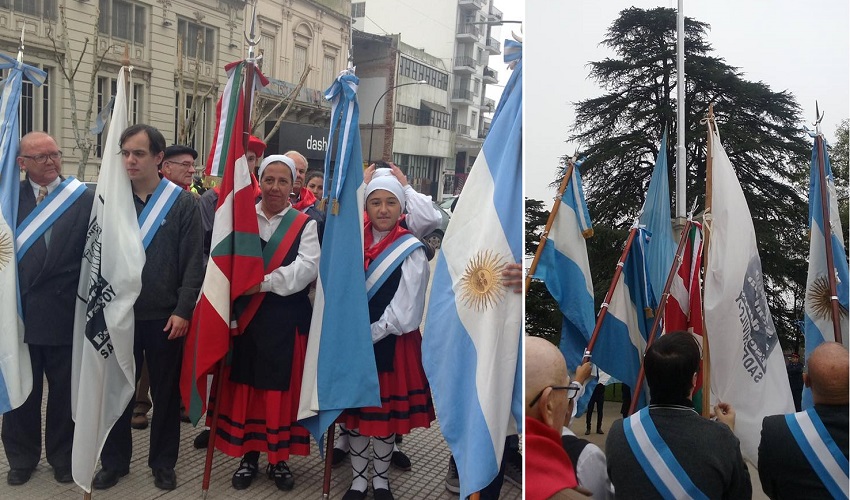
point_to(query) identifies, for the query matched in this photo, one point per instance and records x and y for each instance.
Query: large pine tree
(620, 130)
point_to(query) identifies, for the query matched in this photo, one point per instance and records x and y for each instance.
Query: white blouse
(297, 275)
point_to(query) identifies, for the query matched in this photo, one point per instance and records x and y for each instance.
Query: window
(201, 131)
(34, 108)
(106, 88)
(328, 71)
(36, 8)
(358, 9)
(417, 71)
(267, 46)
(123, 20)
(198, 40)
(476, 87)
(300, 59)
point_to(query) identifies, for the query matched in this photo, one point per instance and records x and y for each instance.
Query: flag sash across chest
(471, 347)
(47, 212)
(157, 207)
(103, 368)
(15, 368)
(821, 451)
(380, 269)
(747, 366)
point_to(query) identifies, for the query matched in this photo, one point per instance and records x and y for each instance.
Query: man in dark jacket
(49, 273)
(785, 469)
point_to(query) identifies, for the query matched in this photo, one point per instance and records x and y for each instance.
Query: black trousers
(598, 399)
(164, 358)
(494, 489)
(21, 432)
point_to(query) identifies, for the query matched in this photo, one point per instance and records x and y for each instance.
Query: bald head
(545, 367)
(827, 374)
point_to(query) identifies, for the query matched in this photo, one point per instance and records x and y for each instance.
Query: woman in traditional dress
(259, 400)
(396, 306)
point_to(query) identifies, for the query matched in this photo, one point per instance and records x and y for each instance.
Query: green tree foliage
(620, 130)
(542, 316)
(840, 158)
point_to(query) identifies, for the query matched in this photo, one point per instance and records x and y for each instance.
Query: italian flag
(236, 261)
(684, 309)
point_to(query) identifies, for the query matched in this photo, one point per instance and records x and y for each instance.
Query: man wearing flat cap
(178, 164)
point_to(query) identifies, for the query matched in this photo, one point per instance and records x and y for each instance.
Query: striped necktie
(42, 193)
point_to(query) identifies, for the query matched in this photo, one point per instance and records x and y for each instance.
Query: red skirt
(261, 420)
(405, 395)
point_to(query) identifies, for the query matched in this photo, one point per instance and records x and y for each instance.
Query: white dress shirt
(50, 187)
(592, 470)
(297, 275)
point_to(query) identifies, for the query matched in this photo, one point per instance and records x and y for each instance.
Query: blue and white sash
(46, 213)
(380, 269)
(656, 459)
(821, 451)
(156, 209)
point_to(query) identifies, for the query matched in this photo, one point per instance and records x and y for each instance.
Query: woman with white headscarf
(396, 306)
(262, 384)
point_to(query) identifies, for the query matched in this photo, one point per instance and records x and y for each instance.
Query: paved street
(425, 447)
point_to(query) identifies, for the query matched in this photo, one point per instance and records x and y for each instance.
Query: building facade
(458, 34)
(178, 50)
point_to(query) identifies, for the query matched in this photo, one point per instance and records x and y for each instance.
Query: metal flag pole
(827, 229)
(544, 237)
(662, 305)
(681, 155)
(603, 310)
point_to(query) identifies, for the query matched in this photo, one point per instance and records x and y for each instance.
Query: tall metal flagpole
(544, 237)
(827, 229)
(681, 159)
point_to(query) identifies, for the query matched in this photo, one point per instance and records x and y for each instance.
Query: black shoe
(244, 475)
(282, 476)
(105, 478)
(599, 431)
(382, 494)
(202, 440)
(338, 457)
(184, 417)
(164, 479)
(63, 475)
(17, 477)
(587, 432)
(400, 461)
(354, 495)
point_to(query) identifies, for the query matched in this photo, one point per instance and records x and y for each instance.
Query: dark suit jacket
(49, 276)
(784, 470)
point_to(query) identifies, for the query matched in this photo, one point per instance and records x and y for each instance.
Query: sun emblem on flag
(820, 299)
(6, 249)
(481, 283)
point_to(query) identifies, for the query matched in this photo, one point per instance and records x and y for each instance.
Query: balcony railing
(493, 45)
(463, 129)
(495, 13)
(471, 4)
(468, 29)
(491, 75)
(464, 61)
(464, 94)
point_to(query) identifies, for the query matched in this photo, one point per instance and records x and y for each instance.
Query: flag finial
(818, 118)
(252, 39)
(21, 47)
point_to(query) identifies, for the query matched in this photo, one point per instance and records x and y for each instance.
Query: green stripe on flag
(238, 244)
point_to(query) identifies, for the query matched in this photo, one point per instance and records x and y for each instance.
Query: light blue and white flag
(339, 370)
(15, 367)
(565, 269)
(471, 348)
(661, 249)
(818, 306)
(103, 369)
(622, 338)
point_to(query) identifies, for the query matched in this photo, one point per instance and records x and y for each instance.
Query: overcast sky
(797, 46)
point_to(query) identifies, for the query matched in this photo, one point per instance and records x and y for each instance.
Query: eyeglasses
(571, 392)
(42, 159)
(184, 164)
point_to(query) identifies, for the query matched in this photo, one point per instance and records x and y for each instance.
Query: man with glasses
(48, 271)
(171, 280)
(668, 450)
(548, 396)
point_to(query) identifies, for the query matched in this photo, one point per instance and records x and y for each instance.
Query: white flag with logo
(103, 370)
(747, 366)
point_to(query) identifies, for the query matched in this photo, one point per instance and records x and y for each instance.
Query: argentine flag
(661, 249)
(622, 338)
(565, 269)
(15, 367)
(471, 343)
(339, 370)
(818, 312)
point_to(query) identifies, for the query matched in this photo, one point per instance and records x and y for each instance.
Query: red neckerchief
(370, 251)
(307, 200)
(548, 468)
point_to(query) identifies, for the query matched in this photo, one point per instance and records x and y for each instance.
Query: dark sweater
(173, 272)
(708, 452)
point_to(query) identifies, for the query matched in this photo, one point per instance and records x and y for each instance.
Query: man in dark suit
(784, 469)
(49, 273)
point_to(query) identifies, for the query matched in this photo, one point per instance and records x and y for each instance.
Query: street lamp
(372, 125)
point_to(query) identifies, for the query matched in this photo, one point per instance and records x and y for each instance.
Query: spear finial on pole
(21, 47)
(250, 39)
(818, 119)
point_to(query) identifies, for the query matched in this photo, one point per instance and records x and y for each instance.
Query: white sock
(357, 450)
(382, 451)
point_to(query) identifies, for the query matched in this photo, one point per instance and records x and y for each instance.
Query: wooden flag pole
(706, 352)
(827, 236)
(659, 311)
(544, 237)
(329, 457)
(603, 310)
(205, 484)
